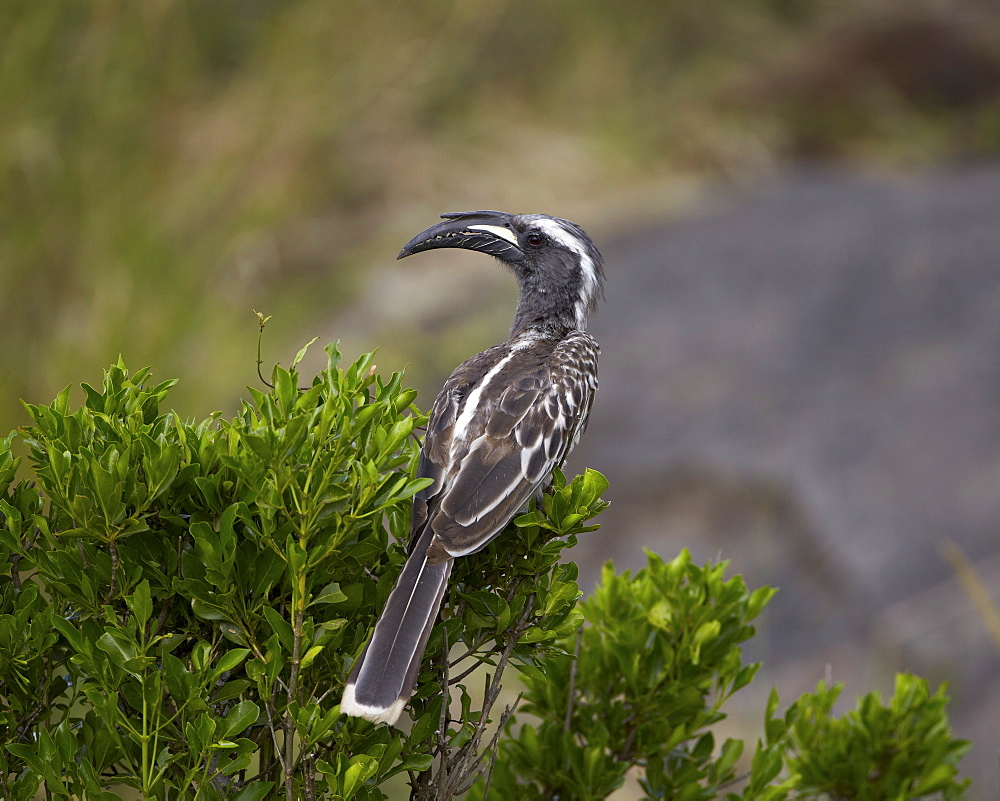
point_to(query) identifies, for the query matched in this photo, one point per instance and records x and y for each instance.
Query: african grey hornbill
(501, 423)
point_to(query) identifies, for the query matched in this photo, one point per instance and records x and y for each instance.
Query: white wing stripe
(472, 402)
(500, 496)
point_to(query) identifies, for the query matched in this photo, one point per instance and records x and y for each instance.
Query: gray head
(560, 270)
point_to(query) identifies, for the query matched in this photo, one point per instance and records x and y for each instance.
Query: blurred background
(798, 200)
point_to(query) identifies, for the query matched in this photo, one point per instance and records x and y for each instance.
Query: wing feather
(508, 445)
(435, 455)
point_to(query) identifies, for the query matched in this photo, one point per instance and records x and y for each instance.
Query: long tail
(383, 677)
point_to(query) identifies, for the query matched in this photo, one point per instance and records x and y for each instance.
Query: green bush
(183, 602)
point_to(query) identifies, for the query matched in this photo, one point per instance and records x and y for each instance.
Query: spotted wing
(502, 449)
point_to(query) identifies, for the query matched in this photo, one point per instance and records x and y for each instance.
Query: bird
(502, 422)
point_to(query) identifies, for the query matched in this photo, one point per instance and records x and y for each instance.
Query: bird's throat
(544, 314)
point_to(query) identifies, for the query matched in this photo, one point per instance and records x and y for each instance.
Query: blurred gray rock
(806, 380)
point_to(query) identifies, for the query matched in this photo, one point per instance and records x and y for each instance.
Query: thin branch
(465, 673)
(168, 605)
(269, 708)
(625, 755)
(15, 571)
(298, 616)
(464, 763)
(735, 780)
(491, 749)
(113, 587)
(471, 651)
(572, 681)
(442, 734)
(262, 321)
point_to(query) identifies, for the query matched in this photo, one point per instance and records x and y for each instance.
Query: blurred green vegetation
(166, 165)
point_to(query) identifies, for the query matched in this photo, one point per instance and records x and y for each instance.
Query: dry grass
(167, 165)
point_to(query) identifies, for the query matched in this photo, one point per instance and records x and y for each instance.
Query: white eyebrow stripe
(561, 235)
(496, 230)
(588, 273)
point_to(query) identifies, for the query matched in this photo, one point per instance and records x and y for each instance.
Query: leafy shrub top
(184, 601)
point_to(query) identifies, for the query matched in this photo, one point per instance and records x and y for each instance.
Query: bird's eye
(534, 239)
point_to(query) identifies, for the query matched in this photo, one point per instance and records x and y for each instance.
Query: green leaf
(330, 594)
(361, 769)
(255, 791)
(937, 779)
(140, 602)
(302, 352)
(707, 631)
(178, 679)
(731, 751)
(229, 661)
(310, 656)
(118, 647)
(281, 627)
(240, 716)
(418, 762)
(594, 484)
(403, 400)
(765, 766)
(208, 611)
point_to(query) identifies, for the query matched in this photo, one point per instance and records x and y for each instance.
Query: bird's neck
(547, 314)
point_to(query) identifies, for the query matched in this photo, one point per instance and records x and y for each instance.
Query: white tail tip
(350, 706)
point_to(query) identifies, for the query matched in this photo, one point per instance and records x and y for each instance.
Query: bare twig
(465, 763)
(161, 619)
(572, 682)
(442, 734)
(310, 779)
(625, 754)
(15, 571)
(491, 750)
(113, 587)
(261, 321)
(293, 686)
(457, 772)
(466, 673)
(269, 708)
(469, 652)
(735, 780)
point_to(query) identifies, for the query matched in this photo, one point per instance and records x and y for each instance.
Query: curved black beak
(486, 231)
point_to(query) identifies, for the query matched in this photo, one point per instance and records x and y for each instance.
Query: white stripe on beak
(496, 230)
